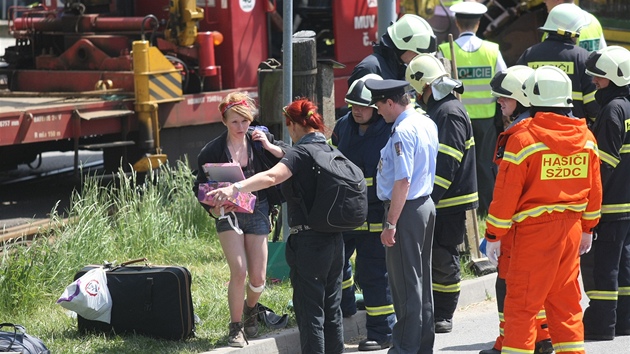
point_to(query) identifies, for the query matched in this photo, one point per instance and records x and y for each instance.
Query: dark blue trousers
(371, 277)
(606, 277)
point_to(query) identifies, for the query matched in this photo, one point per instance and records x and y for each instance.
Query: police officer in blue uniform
(360, 135)
(405, 177)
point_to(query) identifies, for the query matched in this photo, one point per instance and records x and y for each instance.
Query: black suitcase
(149, 300)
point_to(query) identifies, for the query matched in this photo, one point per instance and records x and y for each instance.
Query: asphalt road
(476, 327)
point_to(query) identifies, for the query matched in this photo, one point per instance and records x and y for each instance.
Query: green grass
(161, 221)
(121, 221)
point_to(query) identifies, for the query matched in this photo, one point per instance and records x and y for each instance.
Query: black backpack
(16, 340)
(340, 202)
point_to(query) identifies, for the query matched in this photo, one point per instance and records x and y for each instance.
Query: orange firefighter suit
(506, 247)
(548, 190)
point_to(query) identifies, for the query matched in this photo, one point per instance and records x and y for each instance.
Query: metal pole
(287, 86)
(386, 14)
(287, 59)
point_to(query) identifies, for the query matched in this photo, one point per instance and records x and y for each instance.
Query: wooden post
(270, 96)
(311, 78)
(304, 65)
(326, 91)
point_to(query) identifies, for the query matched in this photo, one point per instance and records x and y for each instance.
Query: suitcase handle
(146, 262)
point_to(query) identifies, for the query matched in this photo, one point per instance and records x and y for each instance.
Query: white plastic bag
(89, 296)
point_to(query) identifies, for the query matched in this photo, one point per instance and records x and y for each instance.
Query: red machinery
(75, 82)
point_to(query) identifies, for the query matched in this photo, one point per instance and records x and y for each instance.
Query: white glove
(493, 251)
(587, 241)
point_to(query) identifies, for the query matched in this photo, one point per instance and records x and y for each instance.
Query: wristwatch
(389, 225)
(238, 186)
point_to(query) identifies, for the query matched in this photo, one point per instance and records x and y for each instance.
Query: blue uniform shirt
(410, 153)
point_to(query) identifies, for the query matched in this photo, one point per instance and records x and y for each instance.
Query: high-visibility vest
(476, 70)
(591, 35)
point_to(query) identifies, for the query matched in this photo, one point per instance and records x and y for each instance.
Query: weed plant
(116, 222)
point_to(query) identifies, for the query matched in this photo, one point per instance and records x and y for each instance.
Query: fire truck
(142, 79)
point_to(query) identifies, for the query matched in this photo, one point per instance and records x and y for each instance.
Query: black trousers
(316, 262)
(485, 133)
(449, 233)
(606, 278)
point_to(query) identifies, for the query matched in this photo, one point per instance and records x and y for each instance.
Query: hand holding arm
(260, 136)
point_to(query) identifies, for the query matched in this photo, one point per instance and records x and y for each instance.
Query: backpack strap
(315, 154)
(15, 330)
(300, 190)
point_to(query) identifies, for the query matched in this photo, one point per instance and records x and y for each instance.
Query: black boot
(236, 337)
(544, 347)
(250, 320)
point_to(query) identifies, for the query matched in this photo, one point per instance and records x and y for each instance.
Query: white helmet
(359, 94)
(412, 32)
(548, 86)
(566, 20)
(509, 83)
(423, 70)
(612, 63)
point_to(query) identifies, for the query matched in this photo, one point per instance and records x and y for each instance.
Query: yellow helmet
(412, 32)
(423, 70)
(566, 20)
(612, 63)
(548, 86)
(509, 83)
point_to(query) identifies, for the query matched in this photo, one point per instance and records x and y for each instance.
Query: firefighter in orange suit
(507, 86)
(549, 191)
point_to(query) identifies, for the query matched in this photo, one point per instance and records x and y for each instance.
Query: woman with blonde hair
(315, 258)
(245, 249)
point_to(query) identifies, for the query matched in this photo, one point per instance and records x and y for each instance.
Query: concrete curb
(477, 290)
(288, 341)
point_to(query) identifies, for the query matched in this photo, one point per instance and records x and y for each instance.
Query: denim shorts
(256, 223)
